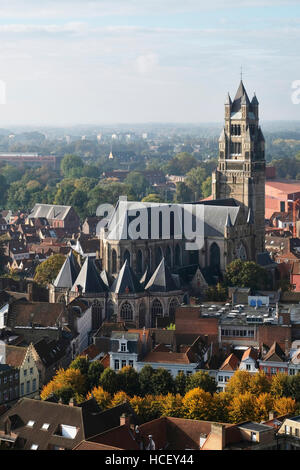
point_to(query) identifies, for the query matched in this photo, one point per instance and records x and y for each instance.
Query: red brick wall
(188, 320)
(267, 334)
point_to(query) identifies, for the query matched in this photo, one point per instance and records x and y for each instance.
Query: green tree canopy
(246, 274)
(47, 271)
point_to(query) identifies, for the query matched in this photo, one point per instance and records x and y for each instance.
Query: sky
(67, 62)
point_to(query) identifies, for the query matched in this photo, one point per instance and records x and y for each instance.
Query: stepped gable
(126, 282)
(161, 280)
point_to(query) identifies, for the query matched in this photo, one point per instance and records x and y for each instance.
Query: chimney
(271, 415)
(124, 420)
(218, 430)
(72, 402)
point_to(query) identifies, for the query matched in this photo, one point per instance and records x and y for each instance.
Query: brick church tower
(240, 174)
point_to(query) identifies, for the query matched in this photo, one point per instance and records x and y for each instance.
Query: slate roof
(49, 211)
(51, 351)
(40, 313)
(210, 216)
(240, 98)
(161, 280)
(126, 282)
(86, 417)
(68, 272)
(89, 279)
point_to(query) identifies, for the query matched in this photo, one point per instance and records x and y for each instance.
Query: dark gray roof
(89, 279)
(68, 272)
(126, 281)
(161, 280)
(254, 426)
(241, 96)
(49, 211)
(264, 259)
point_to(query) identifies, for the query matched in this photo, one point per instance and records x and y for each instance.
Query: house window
(28, 386)
(248, 366)
(221, 378)
(297, 432)
(273, 370)
(34, 385)
(123, 363)
(130, 363)
(226, 378)
(117, 364)
(25, 372)
(253, 436)
(31, 370)
(22, 389)
(123, 347)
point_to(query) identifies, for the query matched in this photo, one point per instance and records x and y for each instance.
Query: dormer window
(65, 430)
(123, 347)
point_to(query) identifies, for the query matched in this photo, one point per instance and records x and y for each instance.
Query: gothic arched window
(172, 309)
(126, 312)
(114, 261)
(126, 256)
(169, 257)
(157, 308)
(215, 256)
(158, 255)
(139, 262)
(142, 315)
(177, 256)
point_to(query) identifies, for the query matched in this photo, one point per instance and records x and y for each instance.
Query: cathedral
(143, 279)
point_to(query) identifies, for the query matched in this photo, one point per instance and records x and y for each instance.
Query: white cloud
(146, 64)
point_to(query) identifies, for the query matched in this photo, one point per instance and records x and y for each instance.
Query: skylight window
(34, 447)
(30, 424)
(45, 426)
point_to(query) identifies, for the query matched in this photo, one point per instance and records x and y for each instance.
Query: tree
(194, 180)
(3, 192)
(284, 406)
(138, 182)
(71, 165)
(102, 397)
(162, 382)
(196, 404)
(109, 381)
(280, 385)
(172, 405)
(242, 408)
(47, 271)
(206, 187)
(294, 387)
(180, 383)
(259, 383)
(119, 398)
(129, 380)
(94, 373)
(145, 376)
(152, 198)
(239, 383)
(201, 380)
(183, 193)
(219, 407)
(81, 363)
(181, 164)
(246, 274)
(264, 404)
(66, 383)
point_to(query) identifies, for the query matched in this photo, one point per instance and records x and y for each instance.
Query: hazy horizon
(95, 63)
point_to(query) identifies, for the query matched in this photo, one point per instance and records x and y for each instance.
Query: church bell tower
(241, 165)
